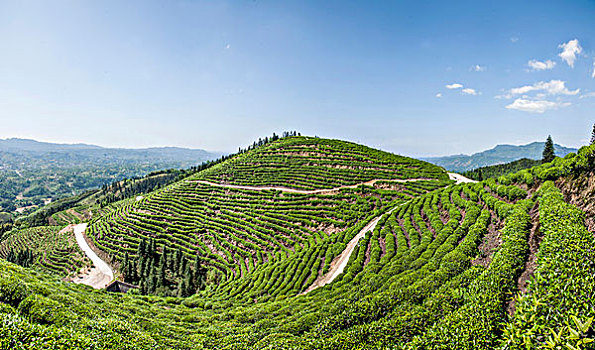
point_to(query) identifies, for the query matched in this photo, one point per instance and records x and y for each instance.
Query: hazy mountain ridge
(86, 152)
(497, 155)
(33, 172)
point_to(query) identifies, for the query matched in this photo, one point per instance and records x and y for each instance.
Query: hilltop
(226, 257)
(498, 155)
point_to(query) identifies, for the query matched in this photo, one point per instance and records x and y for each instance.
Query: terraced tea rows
(54, 249)
(236, 230)
(308, 163)
(439, 271)
(408, 284)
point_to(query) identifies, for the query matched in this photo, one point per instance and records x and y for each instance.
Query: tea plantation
(505, 263)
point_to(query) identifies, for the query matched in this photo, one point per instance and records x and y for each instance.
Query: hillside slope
(501, 264)
(49, 248)
(233, 231)
(497, 155)
(313, 163)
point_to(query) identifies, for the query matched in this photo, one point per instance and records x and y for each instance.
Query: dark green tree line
(163, 273)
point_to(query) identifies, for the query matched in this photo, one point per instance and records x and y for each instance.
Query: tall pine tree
(593, 135)
(548, 151)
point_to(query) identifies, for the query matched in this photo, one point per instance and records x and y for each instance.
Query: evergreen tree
(151, 281)
(177, 261)
(125, 267)
(165, 257)
(199, 271)
(593, 135)
(182, 267)
(188, 282)
(161, 279)
(141, 248)
(182, 288)
(152, 250)
(131, 268)
(548, 150)
(143, 286)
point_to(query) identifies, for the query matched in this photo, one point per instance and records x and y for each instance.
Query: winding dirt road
(459, 178)
(100, 275)
(340, 262)
(293, 190)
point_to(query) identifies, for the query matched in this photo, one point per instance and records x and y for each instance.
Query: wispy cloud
(470, 91)
(454, 86)
(439, 95)
(535, 106)
(569, 51)
(465, 91)
(478, 68)
(536, 65)
(553, 87)
(593, 75)
(587, 95)
(514, 39)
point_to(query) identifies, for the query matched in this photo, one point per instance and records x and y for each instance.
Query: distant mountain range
(66, 154)
(497, 155)
(33, 172)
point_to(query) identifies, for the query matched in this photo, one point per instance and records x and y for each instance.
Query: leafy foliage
(413, 282)
(48, 248)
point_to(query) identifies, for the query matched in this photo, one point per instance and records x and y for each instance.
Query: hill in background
(497, 155)
(33, 173)
(70, 154)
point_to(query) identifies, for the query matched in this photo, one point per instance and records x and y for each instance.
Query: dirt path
(100, 275)
(293, 190)
(340, 262)
(459, 178)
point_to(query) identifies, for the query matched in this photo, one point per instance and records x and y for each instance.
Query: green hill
(315, 163)
(50, 248)
(501, 264)
(501, 169)
(498, 155)
(233, 231)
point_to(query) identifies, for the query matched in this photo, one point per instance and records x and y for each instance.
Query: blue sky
(218, 74)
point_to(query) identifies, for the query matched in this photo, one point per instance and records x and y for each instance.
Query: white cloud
(535, 106)
(587, 95)
(514, 39)
(569, 51)
(538, 65)
(478, 68)
(553, 87)
(469, 91)
(454, 86)
(439, 94)
(228, 46)
(593, 75)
